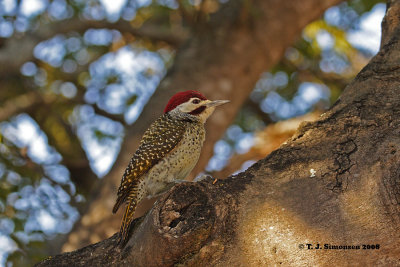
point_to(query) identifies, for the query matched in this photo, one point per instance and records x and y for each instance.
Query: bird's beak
(216, 103)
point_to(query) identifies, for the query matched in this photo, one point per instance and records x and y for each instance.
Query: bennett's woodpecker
(167, 153)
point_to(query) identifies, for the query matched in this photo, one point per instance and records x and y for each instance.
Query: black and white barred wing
(158, 141)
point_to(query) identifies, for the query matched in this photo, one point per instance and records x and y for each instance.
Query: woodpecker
(168, 151)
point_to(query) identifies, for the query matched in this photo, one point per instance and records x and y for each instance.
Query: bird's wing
(159, 140)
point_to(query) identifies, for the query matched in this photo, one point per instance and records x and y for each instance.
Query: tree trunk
(223, 60)
(334, 183)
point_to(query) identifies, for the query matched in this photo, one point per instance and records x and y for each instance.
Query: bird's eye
(195, 101)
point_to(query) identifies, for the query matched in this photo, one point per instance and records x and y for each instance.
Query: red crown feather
(182, 97)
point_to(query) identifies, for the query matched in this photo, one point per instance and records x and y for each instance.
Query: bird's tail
(126, 222)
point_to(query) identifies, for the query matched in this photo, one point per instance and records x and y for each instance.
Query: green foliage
(131, 100)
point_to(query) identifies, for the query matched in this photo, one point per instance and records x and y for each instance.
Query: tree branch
(18, 49)
(223, 61)
(265, 215)
(22, 103)
(266, 141)
(148, 30)
(187, 15)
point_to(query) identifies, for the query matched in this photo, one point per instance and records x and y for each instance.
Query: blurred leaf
(131, 100)
(113, 78)
(83, 78)
(101, 136)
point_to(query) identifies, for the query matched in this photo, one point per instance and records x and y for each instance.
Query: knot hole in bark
(186, 209)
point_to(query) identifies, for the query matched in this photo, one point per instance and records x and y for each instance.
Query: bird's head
(193, 103)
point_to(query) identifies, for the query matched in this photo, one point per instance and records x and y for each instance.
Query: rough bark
(263, 216)
(224, 60)
(266, 141)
